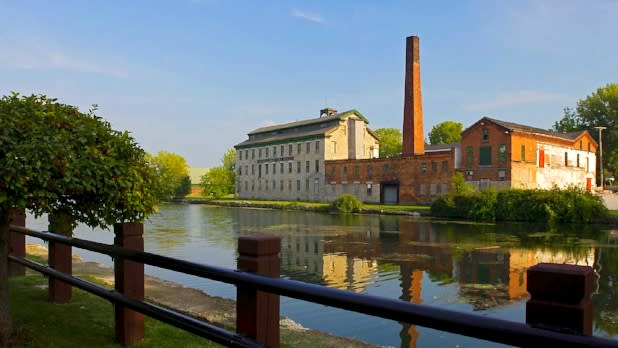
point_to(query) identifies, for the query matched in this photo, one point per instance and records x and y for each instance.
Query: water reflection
(459, 266)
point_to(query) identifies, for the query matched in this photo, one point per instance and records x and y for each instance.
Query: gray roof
(338, 116)
(289, 136)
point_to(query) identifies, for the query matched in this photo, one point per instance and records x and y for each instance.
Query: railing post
(129, 280)
(17, 246)
(560, 298)
(257, 312)
(60, 258)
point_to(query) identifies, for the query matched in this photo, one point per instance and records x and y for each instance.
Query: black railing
(491, 329)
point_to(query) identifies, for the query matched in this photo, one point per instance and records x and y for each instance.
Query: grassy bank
(88, 321)
(310, 206)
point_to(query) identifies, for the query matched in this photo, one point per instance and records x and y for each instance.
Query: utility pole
(600, 128)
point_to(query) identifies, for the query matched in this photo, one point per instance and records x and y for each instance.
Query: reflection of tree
(605, 301)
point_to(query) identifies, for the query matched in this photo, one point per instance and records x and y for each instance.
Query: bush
(347, 204)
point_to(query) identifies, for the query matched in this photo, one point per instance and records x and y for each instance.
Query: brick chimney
(413, 135)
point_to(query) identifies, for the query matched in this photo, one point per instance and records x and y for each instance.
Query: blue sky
(195, 76)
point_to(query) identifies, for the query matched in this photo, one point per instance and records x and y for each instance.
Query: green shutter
(485, 155)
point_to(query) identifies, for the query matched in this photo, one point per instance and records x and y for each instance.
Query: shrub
(347, 204)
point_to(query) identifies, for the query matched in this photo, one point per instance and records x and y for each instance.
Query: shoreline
(194, 302)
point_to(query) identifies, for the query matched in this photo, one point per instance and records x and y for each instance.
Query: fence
(559, 312)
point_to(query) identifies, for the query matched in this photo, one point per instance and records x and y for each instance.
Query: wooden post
(17, 246)
(60, 258)
(129, 280)
(560, 298)
(257, 312)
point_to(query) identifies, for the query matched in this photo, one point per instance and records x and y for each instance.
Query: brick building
(286, 162)
(499, 154)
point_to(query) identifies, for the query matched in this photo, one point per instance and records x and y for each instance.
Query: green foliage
(184, 188)
(217, 182)
(390, 142)
(229, 159)
(172, 171)
(446, 132)
(459, 185)
(347, 204)
(572, 205)
(54, 158)
(598, 109)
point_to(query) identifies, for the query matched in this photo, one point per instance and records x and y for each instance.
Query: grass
(88, 321)
(613, 213)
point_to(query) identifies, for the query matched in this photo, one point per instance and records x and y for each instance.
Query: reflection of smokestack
(413, 137)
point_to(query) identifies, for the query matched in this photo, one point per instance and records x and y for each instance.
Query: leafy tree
(172, 169)
(184, 188)
(55, 159)
(446, 132)
(598, 109)
(390, 142)
(217, 182)
(220, 181)
(229, 159)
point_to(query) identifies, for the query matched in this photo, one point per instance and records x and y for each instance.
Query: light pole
(600, 128)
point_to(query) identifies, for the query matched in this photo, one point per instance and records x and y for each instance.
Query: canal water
(468, 267)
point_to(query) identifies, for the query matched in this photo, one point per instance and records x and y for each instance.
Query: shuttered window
(485, 155)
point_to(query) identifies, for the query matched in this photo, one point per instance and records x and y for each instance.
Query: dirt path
(216, 310)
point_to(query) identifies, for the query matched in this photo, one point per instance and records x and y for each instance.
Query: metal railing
(491, 329)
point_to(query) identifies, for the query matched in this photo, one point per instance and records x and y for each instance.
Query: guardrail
(559, 312)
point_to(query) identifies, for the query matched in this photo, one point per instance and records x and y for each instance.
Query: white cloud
(37, 55)
(308, 16)
(514, 99)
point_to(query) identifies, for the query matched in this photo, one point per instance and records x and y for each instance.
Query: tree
(55, 159)
(217, 182)
(390, 142)
(446, 132)
(184, 188)
(172, 169)
(220, 181)
(598, 109)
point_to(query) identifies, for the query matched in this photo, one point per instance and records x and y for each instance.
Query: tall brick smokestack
(413, 136)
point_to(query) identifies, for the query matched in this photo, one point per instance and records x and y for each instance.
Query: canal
(467, 267)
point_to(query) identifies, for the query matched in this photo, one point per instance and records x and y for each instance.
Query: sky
(193, 77)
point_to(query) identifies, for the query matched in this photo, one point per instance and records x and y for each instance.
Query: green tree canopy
(229, 159)
(446, 132)
(56, 159)
(220, 181)
(390, 142)
(598, 109)
(173, 171)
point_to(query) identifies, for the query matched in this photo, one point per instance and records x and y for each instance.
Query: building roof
(571, 136)
(318, 120)
(440, 147)
(300, 130)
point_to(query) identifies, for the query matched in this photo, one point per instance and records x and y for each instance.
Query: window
(443, 188)
(274, 185)
(266, 168)
(289, 167)
(297, 166)
(281, 185)
(523, 153)
(317, 166)
(252, 185)
(385, 169)
(317, 146)
(239, 170)
(345, 171)
(356, 172)
(502, 153)
(566, 159)
(297, 185)
(308, 147)
(485, 155)
(246, 183)
(333, 172)
(298, 148)
(307, 166)
(541, 158)
(281, 168)
(433, 188)
(259, 171)
(274, 151)
(577, 160)
(266, 149)
(246, 169)
(260, 152)
(290, 150)
(469, 154)
(485, 134)
(290, 185)
(501, 174)
(434, 167)
(423, 167)
(422, 190)
(253, 169)
(240, 155)
(282, 148)
(444, 166)
(369, 171)
(581, 145)
(252, 153)
(307, 185)
(266, 185)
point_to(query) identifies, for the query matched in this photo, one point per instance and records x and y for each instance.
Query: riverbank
(216, 310)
